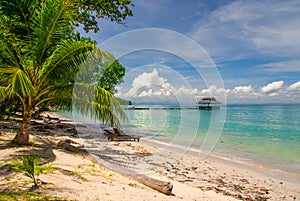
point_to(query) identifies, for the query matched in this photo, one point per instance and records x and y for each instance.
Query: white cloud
(213, 91)
(150, 86)
(272, 87)
(244, 28)
(243, 89)
(274, 92)
(294, 86)
(146, 81)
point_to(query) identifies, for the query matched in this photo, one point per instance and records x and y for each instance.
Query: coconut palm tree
(40, 56)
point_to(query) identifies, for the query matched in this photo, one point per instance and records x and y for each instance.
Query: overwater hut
(208, 103)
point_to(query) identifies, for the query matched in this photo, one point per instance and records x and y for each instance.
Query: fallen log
(161, 186)
(49, 119)
(67, 146)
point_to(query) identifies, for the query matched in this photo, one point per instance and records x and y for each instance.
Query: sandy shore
(79, 178)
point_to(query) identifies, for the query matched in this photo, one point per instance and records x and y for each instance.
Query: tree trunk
(22, 137)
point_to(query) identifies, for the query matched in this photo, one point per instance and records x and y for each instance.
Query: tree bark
(22, 137)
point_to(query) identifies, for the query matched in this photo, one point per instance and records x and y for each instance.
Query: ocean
(262, 135)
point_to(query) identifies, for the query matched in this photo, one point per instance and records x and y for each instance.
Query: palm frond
(59, 96)
(97, 103)
(20, 83)
(65, 60)
(51, 23)
(40, 59)
(9, 56)
(108, 108)
(89, 98)
(3, 91)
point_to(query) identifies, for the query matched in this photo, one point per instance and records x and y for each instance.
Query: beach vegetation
(113, 10)
(28, 165)
(79, 175)
(31, 167)
(41, 54)
(27, 196)
(111, 75)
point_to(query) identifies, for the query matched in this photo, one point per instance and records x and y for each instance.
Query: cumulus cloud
(243, 89)
(265, 94)
(213, 91)
(295, 86)
(272, 87)
(150, 86)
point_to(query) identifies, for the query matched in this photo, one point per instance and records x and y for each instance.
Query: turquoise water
(266, 135)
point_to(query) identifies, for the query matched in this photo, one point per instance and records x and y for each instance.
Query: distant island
(124, 102)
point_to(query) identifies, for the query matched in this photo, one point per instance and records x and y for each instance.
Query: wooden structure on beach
(118, 135)
(208, 103)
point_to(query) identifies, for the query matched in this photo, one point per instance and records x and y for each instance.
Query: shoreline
(193, 179)
(76, 177)
(209, 174)
(228, 180)
(225, 159)
(253, 155)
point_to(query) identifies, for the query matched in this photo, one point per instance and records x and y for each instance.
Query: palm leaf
(51, 24)
(20, 83)
(97, 103)
(65, 60)
(3, 91)
(9, 56)
(40, 59)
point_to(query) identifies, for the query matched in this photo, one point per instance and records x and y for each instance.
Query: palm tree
(40, 56)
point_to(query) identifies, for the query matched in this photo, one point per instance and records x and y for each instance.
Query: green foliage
(29, 166)
(27, 196)
(88, 12)
(111, 74)
(79, 175)
(91, 10)
(92, 100)
(40, 55)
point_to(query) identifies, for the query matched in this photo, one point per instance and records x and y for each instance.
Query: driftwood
(161, 186)
(67, 146)
(49, 119)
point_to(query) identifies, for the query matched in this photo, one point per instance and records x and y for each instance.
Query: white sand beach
(101, 177)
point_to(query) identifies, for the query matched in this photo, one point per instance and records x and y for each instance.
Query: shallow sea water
(263, 135)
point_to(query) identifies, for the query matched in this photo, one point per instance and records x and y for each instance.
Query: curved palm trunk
(22, 137)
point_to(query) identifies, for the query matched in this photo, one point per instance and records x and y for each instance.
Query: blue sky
(255, 46)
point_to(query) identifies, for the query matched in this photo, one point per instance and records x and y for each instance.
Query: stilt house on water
(208, 103)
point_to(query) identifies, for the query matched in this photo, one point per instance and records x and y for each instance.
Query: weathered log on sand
(67, 146)
(161, 186)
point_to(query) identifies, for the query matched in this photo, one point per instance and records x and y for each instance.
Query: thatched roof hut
(208, 103)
